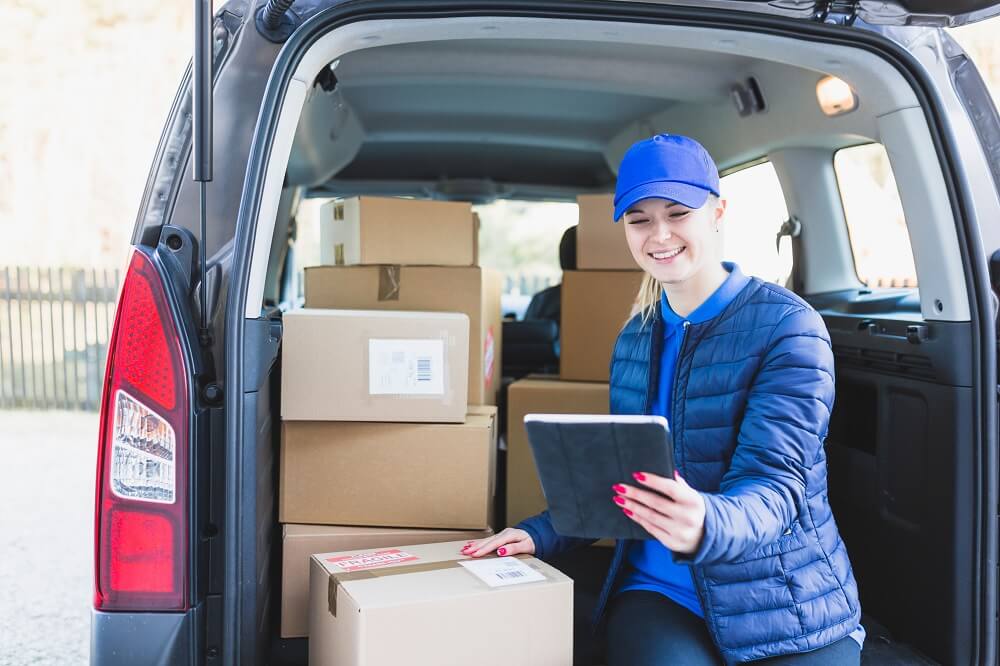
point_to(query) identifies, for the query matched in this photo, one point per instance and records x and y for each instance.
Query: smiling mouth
(668, 254)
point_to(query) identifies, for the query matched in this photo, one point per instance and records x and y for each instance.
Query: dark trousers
(648, 629)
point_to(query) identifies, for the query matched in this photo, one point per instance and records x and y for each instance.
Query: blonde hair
(651, 290)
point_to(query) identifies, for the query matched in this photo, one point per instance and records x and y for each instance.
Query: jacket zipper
(673, 412)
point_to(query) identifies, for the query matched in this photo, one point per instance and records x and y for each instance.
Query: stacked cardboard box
(387, 437)
(540, 395)
(597, 301)
(598, 297)
(430, 605)
(471, 290)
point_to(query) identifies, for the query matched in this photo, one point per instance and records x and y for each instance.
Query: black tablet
(580, 456)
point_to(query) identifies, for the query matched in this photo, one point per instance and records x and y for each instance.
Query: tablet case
(579, 458)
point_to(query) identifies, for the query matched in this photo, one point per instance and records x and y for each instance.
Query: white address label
(502, 571)
(405, 367)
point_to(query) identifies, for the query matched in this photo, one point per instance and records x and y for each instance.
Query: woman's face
(672, 242)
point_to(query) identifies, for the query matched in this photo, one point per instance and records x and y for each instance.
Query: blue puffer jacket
(752, 398)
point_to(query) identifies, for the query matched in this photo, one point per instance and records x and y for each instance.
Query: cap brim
(691, 196)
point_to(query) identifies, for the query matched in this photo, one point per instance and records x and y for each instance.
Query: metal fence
(54, 330)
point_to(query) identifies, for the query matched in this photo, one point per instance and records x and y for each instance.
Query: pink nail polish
(627, 512)
(639, 476)
(619, 488)
(502, 551)
(620, 500)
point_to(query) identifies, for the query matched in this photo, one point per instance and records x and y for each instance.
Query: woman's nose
(663, 231)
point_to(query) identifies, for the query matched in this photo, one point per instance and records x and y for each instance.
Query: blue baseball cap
(666, 166)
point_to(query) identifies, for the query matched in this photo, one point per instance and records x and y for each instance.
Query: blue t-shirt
(653, 567)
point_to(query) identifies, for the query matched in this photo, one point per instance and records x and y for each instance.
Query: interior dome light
(835, 96)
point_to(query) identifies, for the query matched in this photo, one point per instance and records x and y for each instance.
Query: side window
(755, 211)
(874, 214)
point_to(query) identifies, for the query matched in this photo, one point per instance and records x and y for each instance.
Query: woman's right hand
(510, 541)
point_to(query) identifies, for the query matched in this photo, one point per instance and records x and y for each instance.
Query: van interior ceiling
(481, 109)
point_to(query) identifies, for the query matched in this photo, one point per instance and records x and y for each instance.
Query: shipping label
(406, 367)
(502, 571)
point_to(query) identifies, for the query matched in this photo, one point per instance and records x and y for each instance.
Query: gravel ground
(46, 536)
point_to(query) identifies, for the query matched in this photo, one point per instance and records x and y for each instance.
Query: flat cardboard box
(419, 605)
(600, 242)
(384, 230)
(540, 396)
(372, 365)
(596, 305)
(431, 475)
(300, 542)
(471, 290)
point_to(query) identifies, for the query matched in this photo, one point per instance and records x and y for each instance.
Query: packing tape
(337, 580)
(388, 283)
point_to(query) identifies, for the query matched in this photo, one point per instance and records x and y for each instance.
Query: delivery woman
(744, 560)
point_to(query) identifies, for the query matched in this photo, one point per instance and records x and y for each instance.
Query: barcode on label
(424, 369)
(406, 367)
(510, 574)
(502, 571)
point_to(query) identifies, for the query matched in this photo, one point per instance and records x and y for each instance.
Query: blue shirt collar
(714, 304)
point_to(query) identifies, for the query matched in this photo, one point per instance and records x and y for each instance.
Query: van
(459, 100)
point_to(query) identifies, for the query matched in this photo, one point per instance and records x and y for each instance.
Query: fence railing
(54, 330)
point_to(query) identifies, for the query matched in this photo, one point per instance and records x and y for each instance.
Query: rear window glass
(520, 239)
(874, 214)
(755, 211)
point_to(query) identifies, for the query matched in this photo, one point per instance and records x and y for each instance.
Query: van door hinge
(836, 12)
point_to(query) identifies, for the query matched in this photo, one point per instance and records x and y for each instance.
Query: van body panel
(137, 639)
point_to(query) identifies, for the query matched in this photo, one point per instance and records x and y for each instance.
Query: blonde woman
(744, 561)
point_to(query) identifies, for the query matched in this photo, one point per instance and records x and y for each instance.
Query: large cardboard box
(471, 290)
(536, 395)
(600, 243)
(371, 365)
(429, 604)
(433, 475)
(381, 230)
(300, 542)
(596, 305)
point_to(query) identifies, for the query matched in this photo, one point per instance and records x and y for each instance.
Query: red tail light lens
(141, 509)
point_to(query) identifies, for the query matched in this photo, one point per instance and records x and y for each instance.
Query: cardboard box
(540, 396)
(431, 475)
(600, 243)
(300, 542)
(370, 365)
(381, 230)
(596, 305)
(471, 290)
(422, 605)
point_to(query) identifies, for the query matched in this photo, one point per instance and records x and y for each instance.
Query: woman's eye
(677, 216)
(637, 221)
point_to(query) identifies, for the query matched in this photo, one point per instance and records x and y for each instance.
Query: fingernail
(677, 475)
(620, 500)
(627, 512)
(619, 488)
(639, 476)
(502, 551)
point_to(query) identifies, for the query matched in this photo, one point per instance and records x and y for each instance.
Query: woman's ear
(719, 212)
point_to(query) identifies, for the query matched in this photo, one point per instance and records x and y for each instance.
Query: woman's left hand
(669, 509)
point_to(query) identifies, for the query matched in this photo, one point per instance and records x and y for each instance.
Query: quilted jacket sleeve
(548, 543)
(783, 428)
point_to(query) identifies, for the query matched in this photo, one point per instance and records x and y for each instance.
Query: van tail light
(141, 521)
